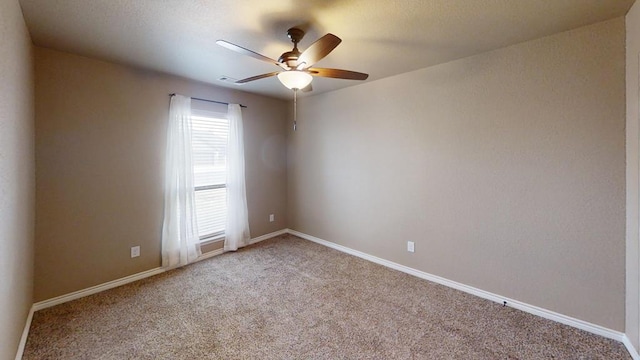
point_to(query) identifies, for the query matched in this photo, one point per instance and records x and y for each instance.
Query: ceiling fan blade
(257, 77)
(318, 50)
(338, 74)
(253, 54)
(308, 88)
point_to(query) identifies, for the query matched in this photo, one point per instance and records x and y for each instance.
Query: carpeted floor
(288, 298)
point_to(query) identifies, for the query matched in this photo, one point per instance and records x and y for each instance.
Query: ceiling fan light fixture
(295, 79)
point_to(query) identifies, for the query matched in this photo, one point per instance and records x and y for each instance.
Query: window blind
(209, 136)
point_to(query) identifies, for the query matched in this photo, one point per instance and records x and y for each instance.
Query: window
(209, 136)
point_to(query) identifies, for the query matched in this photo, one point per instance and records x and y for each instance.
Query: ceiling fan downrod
(295, 109)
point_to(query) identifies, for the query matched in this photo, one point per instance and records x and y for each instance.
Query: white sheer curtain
(237, 227)
(180, 242)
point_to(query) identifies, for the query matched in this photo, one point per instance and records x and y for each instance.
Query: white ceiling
(379, 37)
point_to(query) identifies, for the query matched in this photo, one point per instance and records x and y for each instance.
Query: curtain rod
(211, 101)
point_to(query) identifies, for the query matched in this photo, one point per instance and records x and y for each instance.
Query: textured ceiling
(379, 37)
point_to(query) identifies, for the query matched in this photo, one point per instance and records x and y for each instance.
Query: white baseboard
(25, 334)
(135, 277)
(268, 236)
(630, 348)
(547, 314)
(535, 310)
(96, 289)
(251, 242)
(112, 284)
(210, 254)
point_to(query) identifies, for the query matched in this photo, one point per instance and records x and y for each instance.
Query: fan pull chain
(295, 109)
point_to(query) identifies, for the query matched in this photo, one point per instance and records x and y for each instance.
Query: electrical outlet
(411, 246)
(135, 251)
(272, 218)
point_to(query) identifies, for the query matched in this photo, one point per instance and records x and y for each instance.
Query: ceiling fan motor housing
(291, 57)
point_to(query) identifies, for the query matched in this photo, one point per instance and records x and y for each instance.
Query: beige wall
(100, 143)
(633, 215)
(506, 169)
(17, 177)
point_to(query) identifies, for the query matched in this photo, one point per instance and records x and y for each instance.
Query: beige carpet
(287, 298)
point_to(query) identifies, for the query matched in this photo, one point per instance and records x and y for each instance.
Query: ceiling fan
(296, 71)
